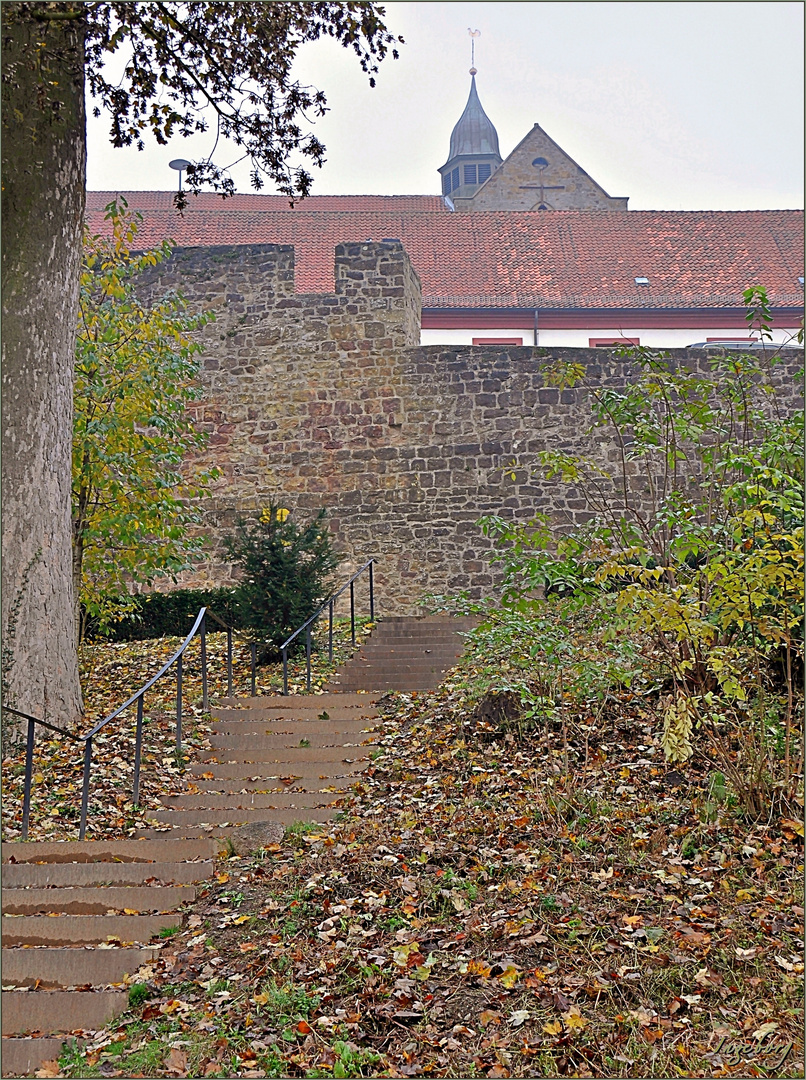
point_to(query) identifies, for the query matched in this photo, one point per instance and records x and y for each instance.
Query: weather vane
(473, 35)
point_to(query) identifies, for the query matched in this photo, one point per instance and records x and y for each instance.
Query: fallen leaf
(49, 1068)
(574, 1020)
(509, 976)
(520, 1016)
(177, 1061)
(790, 826)
(764, 1030)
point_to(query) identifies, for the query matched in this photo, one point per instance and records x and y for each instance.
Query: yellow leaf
(574, 1020)
(260, 999)
(554, 1027)
(509, 976)
(795, 826)
(241, 919)
(477, 967)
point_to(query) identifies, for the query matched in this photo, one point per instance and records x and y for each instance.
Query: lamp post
(179, 164)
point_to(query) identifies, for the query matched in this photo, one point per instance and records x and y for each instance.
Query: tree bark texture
(43, 177)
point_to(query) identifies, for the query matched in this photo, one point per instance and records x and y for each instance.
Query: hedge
(168, 615)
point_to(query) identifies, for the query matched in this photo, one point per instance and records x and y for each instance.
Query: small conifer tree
(287, 573)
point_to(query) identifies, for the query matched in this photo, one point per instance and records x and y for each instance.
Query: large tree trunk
(43, 174)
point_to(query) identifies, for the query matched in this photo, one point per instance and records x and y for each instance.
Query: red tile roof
(562, 258)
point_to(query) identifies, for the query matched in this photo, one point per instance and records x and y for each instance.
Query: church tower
(537, 175)
(474, 153)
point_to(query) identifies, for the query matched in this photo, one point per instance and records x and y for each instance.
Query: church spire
(474, 132)
(474, 153)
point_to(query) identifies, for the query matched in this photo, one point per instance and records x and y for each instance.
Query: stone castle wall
(327, 400)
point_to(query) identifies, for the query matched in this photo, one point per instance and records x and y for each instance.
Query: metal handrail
(306, 626)
(200, 626)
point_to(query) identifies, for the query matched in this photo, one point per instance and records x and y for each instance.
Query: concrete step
(289, 755)
(96, 901)
(302, 802)
(295, 702)
(263, 799)
(25, 875)
(123, 851)
(281, 740)
(59, 1010)
(280, 724)
(313, 774)
(25, 1056)
(252, 800)
(84, 929)
(71, 967)
(385, 650)
(222, 829)
(403, 686)
(295, 716)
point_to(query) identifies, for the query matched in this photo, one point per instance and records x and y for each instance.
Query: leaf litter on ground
(490, 904)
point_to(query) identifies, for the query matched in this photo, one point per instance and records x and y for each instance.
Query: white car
(738, 346)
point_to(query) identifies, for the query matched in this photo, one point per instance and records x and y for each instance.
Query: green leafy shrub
(171, 614)
(287, 573)
(696, 550)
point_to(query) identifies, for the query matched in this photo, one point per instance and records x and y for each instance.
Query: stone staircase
(278, 760)
(407, 653)
(78, 917)
(274, 761)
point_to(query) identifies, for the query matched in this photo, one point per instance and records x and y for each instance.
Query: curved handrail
(332, 599)
(44, 723)
(87, 737)
(350, 584)
(199, 626)
(153, 679)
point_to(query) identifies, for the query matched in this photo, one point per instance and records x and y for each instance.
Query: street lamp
(179, 164)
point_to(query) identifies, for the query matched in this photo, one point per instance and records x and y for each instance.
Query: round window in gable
(540, 163)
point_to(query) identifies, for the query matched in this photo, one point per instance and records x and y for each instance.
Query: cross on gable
(542, 188)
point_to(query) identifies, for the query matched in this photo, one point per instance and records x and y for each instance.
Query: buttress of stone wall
(326, 400)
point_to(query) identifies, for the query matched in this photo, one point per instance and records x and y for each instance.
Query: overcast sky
(680, 106)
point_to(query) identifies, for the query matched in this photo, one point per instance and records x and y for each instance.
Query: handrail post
(85, 788)
(29, 772)
(253, 661)
(371, 593)
(179, 704)
(229, 661)
(308, 658)
(285, 672)
(352, 610)
(330, 632)
(138, 744)
(203, 635)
